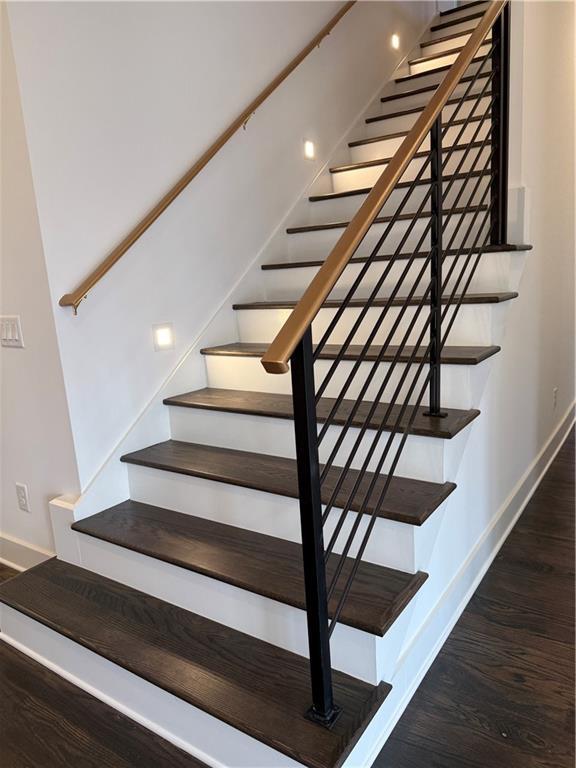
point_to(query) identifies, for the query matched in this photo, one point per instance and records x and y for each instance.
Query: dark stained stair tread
(428, 88)
(415, 110)
(446, 38)
(407, 500)
(463, 7)
(451, 355)
(399, 134)
(384, 160)
(398, 301)
(434, 70)
(505, 248)
(459, 20)
(439, 55)
(401, 185)
(252, 561)
(382, 219)
(253, 686)
(280, 406)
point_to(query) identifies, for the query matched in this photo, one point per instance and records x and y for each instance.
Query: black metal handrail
(465, 211)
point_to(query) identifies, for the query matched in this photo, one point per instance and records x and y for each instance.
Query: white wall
(36, 441)
(118, 99)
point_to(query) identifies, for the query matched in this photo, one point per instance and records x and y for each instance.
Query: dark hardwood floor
(6, 572)
(46, 722)
(501, 692)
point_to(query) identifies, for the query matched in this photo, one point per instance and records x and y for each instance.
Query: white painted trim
(512, 507)
(19, 554)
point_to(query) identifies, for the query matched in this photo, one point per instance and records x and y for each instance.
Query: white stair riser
(457, 193)
(405, 122)
(423, 458)
(441, 61)
(391, 543)
(492, 274)
(388, 147)
(358, 178)
(210, 739)
(421, 99)
(458, 381)
(475, 324)
(409, 234)
(352, 650)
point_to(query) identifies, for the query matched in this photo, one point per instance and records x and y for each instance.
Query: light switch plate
(11, 331)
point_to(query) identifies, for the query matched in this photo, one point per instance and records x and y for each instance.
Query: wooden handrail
(73, 299)
(276, 358)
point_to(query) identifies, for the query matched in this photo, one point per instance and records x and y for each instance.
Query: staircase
(205, 602)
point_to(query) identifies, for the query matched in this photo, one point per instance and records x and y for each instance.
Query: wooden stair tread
(414, 110)
(451, 355)
(425, 181)
(398, 301)
(407, 500)
(252, 561)
(280, 406)
(384, 160)
(253, 686)
(434, 71)
(464, 6)
(428, 88)
(433, 56)
(400, 134)
(505, 248)
(446, 38)
(454, 22)
(382, 219)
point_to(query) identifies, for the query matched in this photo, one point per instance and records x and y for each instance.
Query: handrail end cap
(274, 366)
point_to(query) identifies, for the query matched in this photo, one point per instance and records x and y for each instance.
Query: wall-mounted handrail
(74, 298)
(276, 358)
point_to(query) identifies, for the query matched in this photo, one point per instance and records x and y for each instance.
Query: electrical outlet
(11, 331)
(554, 397)
(22, 496)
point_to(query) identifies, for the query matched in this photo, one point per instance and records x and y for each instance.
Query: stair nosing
(433, 71)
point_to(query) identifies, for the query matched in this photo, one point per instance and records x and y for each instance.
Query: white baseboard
(421, 653)
(19, 554)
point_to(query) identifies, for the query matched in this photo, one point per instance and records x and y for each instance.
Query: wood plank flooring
(46, 722)
(501, 692)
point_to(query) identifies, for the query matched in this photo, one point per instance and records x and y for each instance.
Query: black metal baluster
(323, 709)
(501, 91)
(436, 267)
